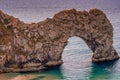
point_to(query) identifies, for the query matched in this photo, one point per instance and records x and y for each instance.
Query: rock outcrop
(35, 46)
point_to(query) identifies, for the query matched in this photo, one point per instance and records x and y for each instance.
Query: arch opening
(76, 52)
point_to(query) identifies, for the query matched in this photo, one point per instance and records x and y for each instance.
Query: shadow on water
(103, 70)
(52, 73)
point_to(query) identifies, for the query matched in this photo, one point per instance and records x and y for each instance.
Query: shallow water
(76, 56)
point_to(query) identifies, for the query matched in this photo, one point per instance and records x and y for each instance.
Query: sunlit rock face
(35, 46)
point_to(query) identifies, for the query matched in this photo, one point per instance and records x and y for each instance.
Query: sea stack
(36, 46)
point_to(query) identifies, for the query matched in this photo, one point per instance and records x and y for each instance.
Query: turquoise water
(76, 56)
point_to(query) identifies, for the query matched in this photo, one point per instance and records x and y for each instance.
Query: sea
(76, 55)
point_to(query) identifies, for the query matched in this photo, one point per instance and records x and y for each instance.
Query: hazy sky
(59, 3)
(36, 10)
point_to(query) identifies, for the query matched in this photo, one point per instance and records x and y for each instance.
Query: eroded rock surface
(35, 46)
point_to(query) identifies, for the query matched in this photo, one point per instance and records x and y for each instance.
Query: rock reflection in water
(50, 74)
(103, 70)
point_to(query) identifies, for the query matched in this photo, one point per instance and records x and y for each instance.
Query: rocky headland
(36, 46)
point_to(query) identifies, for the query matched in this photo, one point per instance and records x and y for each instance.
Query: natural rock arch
(31, 47)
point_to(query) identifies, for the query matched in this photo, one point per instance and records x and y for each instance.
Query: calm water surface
(76, 56)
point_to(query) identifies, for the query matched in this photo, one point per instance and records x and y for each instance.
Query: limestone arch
(93, 27)
(42, 44)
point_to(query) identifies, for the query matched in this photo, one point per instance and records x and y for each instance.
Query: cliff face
(32, 47)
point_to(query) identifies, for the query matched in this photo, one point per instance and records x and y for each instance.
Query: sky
(58, 3)
(36, 10)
